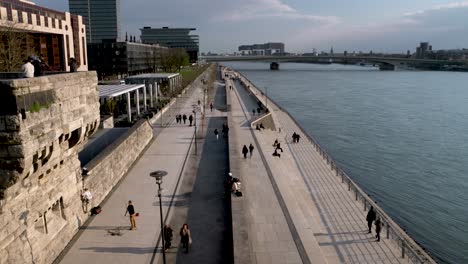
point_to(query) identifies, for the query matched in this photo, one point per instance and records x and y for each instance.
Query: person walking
(131, 211)
(216, 133)
(86, 197)
(185, 237)
(190, 119)
(294, 137)
(73, 65)
(278, 146)
(370, 218)
(253, 112)
(167, 237)
(184, 117)
(378, 228)
(297, 138)
(245, 151)
(251, 149)
(211, 106)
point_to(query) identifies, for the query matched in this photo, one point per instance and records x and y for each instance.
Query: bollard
(349, 185)
(402, 248)
(342, 177)
(356, 194)
(365, 205)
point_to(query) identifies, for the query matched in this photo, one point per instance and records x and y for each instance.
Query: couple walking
(246, 150)
(371, 217)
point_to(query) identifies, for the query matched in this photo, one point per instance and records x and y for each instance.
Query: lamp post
(195, 123)
(158, 175)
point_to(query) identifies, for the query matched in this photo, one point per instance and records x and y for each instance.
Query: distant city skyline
(302, 25)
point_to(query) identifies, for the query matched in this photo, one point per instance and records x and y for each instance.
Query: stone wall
(106, 169)
(44, 123)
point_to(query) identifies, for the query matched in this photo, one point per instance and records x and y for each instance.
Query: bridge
(384, 63)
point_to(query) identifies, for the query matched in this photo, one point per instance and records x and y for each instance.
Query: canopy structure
(173, 80)
(110, 91)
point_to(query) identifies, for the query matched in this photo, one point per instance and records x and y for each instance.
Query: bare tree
(13, 48)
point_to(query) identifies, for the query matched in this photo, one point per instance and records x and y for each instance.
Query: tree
(174, 59)
(13, 48)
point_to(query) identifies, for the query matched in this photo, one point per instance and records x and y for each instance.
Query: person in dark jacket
(184, 117)
(190, 119)
(370, 218)
(185, 237)
(251, 148)
(245, 150)
(167, 237)
(378, 228)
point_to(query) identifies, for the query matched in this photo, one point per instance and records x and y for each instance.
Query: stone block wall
(44, 122)
(106, 169)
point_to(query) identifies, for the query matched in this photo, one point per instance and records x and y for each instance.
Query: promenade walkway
(189, 196)
(326, 221)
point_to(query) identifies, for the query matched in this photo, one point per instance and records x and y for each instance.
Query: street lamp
(195, 123)
(158, 175)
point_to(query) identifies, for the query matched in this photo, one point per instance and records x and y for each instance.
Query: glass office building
(101, 18)
(172, 38)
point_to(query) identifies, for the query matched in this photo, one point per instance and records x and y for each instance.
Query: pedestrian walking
(185, 237)
(297, 138)
(253, 112)
(245, 151)
(190, 119)
(177, 119)
(251, 149)
(378, 228)
(276, 154)
(131, 211)
(167, 237)
(370, 218)
(278, 146)
(211, 106)
(216, 133)
(294, 135)
(184, 117)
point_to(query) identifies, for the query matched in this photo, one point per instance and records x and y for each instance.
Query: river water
(401, 135)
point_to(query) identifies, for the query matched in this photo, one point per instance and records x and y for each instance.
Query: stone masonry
(44, 123)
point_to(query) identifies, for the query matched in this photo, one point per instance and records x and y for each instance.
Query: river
(401, 135)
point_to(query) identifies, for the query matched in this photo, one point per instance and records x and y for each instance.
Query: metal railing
(409, 247)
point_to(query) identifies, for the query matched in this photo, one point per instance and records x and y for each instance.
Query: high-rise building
(172, 38)
(101, 18)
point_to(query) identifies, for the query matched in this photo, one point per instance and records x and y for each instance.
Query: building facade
(121, 59)
(267, 49)
(101, 18)
(56, 36)
(173, 38)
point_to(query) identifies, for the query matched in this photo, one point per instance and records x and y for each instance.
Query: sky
(302, 25)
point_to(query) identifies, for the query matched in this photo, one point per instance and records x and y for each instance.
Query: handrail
(409, 247)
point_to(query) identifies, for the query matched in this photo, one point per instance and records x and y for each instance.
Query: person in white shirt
(86, 196)
(28, 68)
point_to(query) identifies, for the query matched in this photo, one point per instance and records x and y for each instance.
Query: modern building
(121, 59)
(172, 38)
(101, 18)
(423, 50)
(57, 36)
(271, 48)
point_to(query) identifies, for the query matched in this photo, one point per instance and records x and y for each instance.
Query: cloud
(269, 9)
(462, 4)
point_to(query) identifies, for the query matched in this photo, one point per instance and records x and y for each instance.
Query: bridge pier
(274, 66)
(387, 67)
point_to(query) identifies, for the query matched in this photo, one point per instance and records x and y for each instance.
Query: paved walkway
(330, 224)
(167, 152)
(268, 230)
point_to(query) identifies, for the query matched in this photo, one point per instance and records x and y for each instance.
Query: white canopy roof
(154, 76)
(113, 90)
